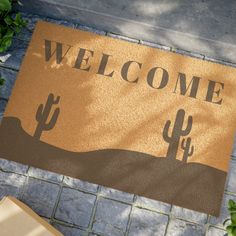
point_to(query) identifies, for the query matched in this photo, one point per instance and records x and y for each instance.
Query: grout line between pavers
(3, 66)
(129, 217)
(12, 172)
(24, 185)
(170, 217)
(230, 193)
(5, 99)
(57, 200)
(92, 218)
(45, 180)
(66, 224)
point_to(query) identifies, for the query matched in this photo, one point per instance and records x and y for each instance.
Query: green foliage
(2, 81)
(231, 228)
(9, 26)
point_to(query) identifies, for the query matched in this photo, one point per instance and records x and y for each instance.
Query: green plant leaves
(231, 205)
(231, 228)
(6, 40)
(8, 27)
(5, 5)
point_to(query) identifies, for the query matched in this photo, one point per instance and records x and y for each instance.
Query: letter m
(184, 88)
(58, 50)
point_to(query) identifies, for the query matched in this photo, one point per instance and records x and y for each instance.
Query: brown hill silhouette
(190, 185)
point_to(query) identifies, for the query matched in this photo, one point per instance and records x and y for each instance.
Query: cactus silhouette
(43, 113)
(186, 147)
(177, 132)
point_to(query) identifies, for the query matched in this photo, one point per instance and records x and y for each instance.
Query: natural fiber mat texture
(123, 115)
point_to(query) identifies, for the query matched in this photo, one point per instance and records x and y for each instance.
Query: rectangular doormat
(123, 115)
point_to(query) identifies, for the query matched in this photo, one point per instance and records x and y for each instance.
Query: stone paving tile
(13, 166)
(10, 77)
(117, 36)
(69, 231)
(224, 212)
(212, 231)
(3, 104)
(153, 204)
(182, 228)
(61, 22)
(231, 182)
(43, 174)
(111, 217)
(189, 215)
(32, 19)
(79, 184)
(90, 29)
(75, 207)
(41, 196)
(116, 194)
(14, 55)
(148, 223)
(11, 184)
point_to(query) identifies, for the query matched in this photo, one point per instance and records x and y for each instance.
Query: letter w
(58, 51)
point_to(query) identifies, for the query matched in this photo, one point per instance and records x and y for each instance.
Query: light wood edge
(30, 212)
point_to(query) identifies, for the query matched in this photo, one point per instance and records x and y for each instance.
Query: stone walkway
(79, 208)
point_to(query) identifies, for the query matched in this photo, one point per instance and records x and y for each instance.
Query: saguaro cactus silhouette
(185, 145)
(177, 132)
(43, 113)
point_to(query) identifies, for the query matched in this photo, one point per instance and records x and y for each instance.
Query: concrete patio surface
(79, 208)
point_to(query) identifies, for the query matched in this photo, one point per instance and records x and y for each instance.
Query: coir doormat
(122, 115)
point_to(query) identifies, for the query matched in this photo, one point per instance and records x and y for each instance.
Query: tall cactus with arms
(43, 113)
(185, 145)
(177, 132)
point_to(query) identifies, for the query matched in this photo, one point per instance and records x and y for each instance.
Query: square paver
(80, 184)
(182, 228)
(212, 231)
(116, 194)
(11, 184)
(75, 207)
(189, 215)
(153, 204)
(111, 217)
(69, 231)
(10, 77)
(41, 196)
(148, 223)
(43, 174)
(224, 214)
(13, 166)
(231, 184)
(14, 55)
